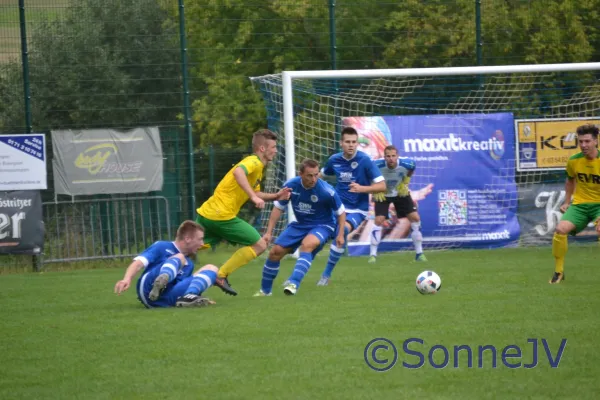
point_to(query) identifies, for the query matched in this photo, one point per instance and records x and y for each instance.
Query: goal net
(490, 143)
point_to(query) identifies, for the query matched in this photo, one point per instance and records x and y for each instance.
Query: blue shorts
(355, 219)
(292, 236)
(168, 297)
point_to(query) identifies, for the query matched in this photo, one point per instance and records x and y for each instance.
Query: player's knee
(259, 247)
(564, 228)
(276, 253)
(209, 267)
(379, 220)
(414, 217)
(309, 244)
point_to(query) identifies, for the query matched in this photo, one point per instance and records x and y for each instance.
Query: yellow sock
(240, 258)
(560, 245)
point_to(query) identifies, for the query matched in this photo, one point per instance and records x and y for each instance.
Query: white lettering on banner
(552, 201)
(5, 223)
(450, 144)
(15, 203)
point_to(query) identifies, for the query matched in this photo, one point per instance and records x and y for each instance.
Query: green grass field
(65, 335)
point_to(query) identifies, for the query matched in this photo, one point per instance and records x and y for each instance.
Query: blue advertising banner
(464, 182)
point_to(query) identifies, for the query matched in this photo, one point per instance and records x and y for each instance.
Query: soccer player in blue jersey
(356, 177)
(397, 173)
(168, 279)
(319, 216)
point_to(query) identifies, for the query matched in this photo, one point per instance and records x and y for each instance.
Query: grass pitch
(65, 335)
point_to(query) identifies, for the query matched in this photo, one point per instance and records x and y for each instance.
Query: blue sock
(301, 268)
(334, 256)
(270, 270)
(170, 267)
(201, 281)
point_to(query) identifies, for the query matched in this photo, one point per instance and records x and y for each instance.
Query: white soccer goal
(490, 143)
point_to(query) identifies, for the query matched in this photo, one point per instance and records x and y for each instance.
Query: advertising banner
(547, 144)
(23, 162)
(464, 182)
(21, 222)
(103, 161)
(539, 214)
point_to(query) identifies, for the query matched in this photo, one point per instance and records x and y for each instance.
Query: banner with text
(23, 162)
(547, 144)
(103, 161)
(539, 214)
(21, 222)
(464, 180)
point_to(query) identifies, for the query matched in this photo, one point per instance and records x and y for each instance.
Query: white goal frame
(289, 76)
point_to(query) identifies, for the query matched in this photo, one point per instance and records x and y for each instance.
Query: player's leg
(236, 231)
(167, 273)
(353, 220)
(190, 295)
(284, 245)
(313, 241)
(405, 207)
(381, 214)
(572, 221)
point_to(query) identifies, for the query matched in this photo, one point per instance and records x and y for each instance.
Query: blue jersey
(393, 176)
(359, 169)
(312, 207)
(153, 258)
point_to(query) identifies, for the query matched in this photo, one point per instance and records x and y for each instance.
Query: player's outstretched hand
(355, 188)
(122, 286)
(258, 202)
(284, 194)
(422, 193)
(563, 207)
(267, 238)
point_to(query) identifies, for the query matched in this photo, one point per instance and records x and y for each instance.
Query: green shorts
(236, 231)
(581, 215)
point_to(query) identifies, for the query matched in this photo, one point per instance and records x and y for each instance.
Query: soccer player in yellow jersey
(583, 183)
(218, 214)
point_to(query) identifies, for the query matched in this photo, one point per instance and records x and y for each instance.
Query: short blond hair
(188, 227)
(261, 136)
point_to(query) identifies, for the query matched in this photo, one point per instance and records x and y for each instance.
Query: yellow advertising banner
(547, 144)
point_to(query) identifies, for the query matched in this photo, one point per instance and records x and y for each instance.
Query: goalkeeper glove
(402, 187)
(380, 196)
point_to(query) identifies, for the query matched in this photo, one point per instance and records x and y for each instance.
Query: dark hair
(187, 227)
(348, 131)
(390, 148)
(261, 136)
(308, 163)
(588, 129)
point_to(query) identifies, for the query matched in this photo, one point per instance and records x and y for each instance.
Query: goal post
(447, 112)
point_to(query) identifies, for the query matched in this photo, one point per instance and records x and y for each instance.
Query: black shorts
(403, 205)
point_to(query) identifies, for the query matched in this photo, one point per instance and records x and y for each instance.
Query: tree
(102, 63)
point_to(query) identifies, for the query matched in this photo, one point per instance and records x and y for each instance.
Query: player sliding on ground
(218, 214)
(168, 279)
(397, 173)
(583, 183)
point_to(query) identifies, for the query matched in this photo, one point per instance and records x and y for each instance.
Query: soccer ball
(428, 282)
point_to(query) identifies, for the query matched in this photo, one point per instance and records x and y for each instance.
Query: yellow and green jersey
(587, 178)
(229, 197)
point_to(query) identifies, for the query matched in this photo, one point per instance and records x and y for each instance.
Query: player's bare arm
(373, 188)
(131, 271)
(569, 189)
(341, 220)
(242, 180)
(283, 194)
(275, 215)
